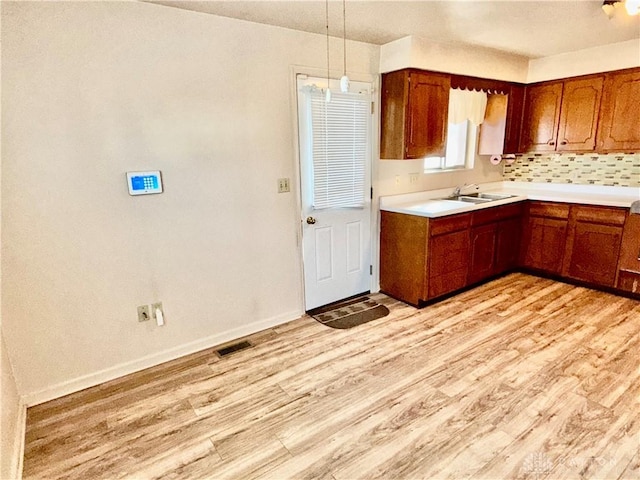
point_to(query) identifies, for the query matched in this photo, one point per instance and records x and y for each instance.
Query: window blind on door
(339, 131)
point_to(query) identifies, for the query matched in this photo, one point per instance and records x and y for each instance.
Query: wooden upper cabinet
(427, 115)
(414, 114)
(541, 117)
(579, 114)
(619, 124)
(513, 127)
(562, 115)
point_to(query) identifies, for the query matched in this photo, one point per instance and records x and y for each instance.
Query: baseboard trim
(18, 443)
(93, 379)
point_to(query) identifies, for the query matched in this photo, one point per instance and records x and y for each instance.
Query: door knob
(311, 220)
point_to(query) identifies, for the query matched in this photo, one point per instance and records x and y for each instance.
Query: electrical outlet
(413, 178)
(144, 313)
(283, 185)
(397, 179)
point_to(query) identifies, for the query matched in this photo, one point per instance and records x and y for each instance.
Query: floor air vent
(236, 347)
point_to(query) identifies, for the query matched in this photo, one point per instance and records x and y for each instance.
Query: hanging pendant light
(632, 7)
(344, 80)
(328, 92)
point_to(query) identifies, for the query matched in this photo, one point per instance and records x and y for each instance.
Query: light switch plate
(283, 185)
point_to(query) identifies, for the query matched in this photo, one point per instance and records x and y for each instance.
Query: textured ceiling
(529, 28)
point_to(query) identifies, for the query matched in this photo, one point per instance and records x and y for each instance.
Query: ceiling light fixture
(344, 80)
(631, 6)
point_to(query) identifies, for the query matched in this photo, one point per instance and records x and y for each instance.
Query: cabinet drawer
(629, 281)
(549, 209)
(453, 223)
(603, 215)
(494, 214)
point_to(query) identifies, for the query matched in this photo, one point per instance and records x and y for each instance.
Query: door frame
(374, 80)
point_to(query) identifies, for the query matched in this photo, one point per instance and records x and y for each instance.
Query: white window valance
(467, 105)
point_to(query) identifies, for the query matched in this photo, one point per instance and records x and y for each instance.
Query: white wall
(13, 418)
(94, 89)
(417, 52)
(394, 176)
(583, 62)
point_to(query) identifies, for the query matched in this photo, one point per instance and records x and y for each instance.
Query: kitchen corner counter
(428, 203)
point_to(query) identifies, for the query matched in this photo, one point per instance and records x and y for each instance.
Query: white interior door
(335, 167)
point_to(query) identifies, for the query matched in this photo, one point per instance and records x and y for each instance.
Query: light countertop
(426, 203)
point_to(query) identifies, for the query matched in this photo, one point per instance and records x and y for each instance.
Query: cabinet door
(619, 125)
(393, 111)
(513, 127)
(594, 253)
(544, 249)
(629, 282)
(507, 244)
(541, 117)
(483, 252)
(428, 110)
(629, 263)
(448, 262)
(579, 114)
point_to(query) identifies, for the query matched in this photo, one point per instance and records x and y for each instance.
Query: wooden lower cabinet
(448, 257)
(508, 237)
(403, 256)
(482, 261)
(628, 276)
(629, 281)
(593, 244)
(545, 236)
(422, 259)
(495, 241)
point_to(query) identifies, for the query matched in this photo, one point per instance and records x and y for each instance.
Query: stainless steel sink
(469, 199)
(495, 196)
(480, 197)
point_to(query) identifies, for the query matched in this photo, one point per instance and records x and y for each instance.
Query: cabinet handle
(564, 142)
(551, 142)
(639, 255)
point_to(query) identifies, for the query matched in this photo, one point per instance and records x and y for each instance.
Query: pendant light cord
(344, 35)
(327, 19)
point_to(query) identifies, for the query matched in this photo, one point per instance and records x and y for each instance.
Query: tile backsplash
(583, 169)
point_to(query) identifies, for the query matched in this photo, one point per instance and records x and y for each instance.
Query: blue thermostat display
(144, 183)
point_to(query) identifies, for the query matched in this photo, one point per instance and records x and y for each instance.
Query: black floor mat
(350, 313)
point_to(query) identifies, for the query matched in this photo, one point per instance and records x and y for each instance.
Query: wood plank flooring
(522, 378)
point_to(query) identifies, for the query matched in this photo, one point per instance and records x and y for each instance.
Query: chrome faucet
(458, 190)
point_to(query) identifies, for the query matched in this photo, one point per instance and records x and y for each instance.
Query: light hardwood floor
(521, 378)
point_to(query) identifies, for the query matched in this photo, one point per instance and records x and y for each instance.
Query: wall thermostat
(144, 183)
